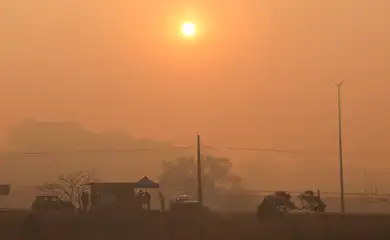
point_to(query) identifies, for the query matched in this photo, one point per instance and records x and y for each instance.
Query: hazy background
(259, 74)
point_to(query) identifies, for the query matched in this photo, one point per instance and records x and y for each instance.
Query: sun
(188, 29)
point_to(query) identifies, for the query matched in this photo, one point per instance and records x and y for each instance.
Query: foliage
(70, 187)
(180, 176)
(312, 202)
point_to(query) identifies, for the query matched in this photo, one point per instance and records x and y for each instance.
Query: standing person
(148, 198)
(140, 199)
(162, 201)
(85, 201)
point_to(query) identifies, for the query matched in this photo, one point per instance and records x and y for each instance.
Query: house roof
(145, 182)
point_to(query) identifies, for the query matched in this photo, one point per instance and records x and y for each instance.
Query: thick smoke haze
(262, 74)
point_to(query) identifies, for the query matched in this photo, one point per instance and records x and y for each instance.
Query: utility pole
(342, 203)
(200, 188)
(365, 179)
(199, 171)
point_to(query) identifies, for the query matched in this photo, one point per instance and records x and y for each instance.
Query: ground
(226, 226)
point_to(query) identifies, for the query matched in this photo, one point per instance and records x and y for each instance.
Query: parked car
(51, 204)
(185, 203)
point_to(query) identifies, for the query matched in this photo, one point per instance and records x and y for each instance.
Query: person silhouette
(85, 201)
(147, 198)
(162, 202)
(140, 200)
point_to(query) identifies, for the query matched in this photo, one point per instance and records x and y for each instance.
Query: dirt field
(218, 226)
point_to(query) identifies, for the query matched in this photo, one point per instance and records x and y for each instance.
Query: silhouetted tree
(312, 202)
(71, 186)
(179, 176)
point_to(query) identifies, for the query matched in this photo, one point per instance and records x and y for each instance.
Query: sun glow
(188, 29)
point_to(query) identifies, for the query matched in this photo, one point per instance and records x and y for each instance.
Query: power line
(224, 148)
(293, 151)
(255, 149)
(81, 151)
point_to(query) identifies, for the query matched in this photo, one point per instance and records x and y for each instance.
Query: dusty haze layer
(261, 74)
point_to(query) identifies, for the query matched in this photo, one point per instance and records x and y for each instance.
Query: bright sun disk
(188, 29)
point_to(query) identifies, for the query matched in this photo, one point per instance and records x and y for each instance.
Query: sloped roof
(145, 182)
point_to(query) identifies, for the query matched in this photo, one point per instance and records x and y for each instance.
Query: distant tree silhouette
(71, 186)
(179, 176)
(312, 202)
(44, 136)
(71, 143)
(33, 135)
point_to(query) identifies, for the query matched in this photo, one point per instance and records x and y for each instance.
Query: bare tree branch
(70, 186)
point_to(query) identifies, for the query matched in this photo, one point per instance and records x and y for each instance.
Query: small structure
(143, 198)
(118, 196)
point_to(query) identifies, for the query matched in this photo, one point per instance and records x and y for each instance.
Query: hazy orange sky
(259, 74)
